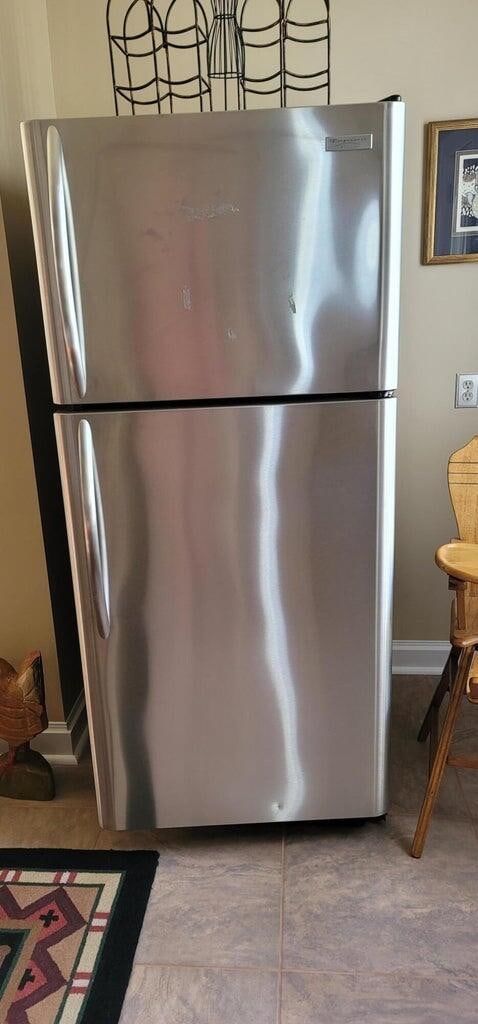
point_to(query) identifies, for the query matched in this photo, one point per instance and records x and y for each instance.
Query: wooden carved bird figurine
(24, 773)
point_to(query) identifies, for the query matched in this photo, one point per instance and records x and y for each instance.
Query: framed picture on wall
(451, 192)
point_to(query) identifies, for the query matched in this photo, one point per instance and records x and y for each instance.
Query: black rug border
(108, 989)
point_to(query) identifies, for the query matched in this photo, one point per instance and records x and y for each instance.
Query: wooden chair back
(463, 487)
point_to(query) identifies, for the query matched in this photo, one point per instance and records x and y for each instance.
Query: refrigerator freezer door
(220, 255)
(244, 557)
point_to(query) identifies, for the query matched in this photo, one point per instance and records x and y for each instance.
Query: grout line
(407, 972)
(281, 931)
(321, 972)
(345, 973)
(352, 973)
(252, 968)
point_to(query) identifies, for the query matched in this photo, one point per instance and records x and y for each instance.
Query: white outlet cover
(466, 391)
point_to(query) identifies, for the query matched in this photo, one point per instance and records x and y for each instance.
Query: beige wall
(25, 611)
(80, 57)
(427, 52)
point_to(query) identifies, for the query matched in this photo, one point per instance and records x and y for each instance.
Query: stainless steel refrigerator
(220, 295)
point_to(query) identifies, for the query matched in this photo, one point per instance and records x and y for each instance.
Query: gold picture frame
(434, 133)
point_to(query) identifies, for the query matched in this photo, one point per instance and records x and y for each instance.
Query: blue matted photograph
(451, 192)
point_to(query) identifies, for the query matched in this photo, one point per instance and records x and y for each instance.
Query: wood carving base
(26, 775)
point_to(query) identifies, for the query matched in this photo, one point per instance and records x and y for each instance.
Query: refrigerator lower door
(233, 569)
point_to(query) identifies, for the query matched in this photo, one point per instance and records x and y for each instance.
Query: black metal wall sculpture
(214, 54)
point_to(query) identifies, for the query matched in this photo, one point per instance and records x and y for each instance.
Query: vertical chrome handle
(94, 529)
(65, 259)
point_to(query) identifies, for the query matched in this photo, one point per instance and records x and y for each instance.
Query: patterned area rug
(69, 925)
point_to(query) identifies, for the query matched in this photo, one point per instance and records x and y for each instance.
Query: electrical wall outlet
(466, 391)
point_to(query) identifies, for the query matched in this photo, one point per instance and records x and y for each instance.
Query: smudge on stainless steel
(186, 298)
(209, 211)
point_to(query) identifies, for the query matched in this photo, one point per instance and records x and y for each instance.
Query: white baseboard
(63, 742)
(419, 657)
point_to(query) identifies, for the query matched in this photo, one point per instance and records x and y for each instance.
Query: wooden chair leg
(445, 684)
(443, 748)
(434, 737)
(432, 718)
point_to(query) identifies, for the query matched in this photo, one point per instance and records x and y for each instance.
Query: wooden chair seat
(459, 560)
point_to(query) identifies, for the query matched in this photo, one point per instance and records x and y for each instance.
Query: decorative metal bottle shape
(262, 30)
(306, 50)
(186, 36)
(226, 59)
(136, 39)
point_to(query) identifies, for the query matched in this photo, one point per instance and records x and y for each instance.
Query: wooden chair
(459, 559)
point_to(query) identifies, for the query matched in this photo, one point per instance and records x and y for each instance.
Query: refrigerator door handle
(65, 259)
(94, 529)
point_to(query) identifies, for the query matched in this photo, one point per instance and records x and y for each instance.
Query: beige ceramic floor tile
(355, 899)
(458, 794)
(75, 785)
(194, 848)
(47, 824)
(162, 995)
(215, 900)
(139, 840)
(469, 783)
(466, 742)
(378, 999)
(408, 771)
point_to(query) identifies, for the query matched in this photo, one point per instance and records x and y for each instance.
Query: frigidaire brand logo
(338, 143)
